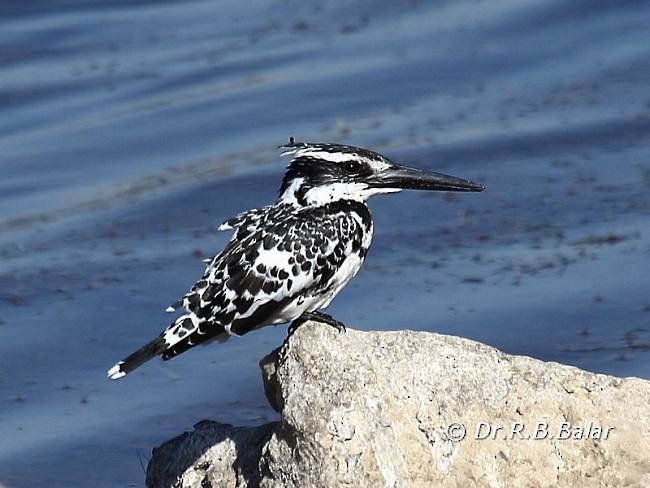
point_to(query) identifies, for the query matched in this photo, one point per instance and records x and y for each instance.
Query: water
(129, 131)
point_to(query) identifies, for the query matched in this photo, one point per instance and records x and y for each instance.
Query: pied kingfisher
(285, 262)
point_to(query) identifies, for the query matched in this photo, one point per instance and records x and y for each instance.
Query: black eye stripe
(316, 171)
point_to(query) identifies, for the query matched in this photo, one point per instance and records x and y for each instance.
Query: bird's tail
(142, 355)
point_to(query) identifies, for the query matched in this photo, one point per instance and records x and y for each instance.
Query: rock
(213, 454)
(371, 409)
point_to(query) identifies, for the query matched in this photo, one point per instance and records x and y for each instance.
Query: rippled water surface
(130, 130)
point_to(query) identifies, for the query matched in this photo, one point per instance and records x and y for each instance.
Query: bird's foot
(329, 320)
(316, 317)
(293, 326)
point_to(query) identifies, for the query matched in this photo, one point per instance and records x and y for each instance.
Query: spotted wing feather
(244, 224)
(275, 266)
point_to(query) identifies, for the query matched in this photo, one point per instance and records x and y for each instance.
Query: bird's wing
(287, 257)
(255, 277)
(250, 217)
(244, 224)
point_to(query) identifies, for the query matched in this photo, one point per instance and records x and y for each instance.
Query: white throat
(359, 192)
(289, 195)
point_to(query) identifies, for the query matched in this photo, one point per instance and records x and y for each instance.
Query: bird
(285, 262)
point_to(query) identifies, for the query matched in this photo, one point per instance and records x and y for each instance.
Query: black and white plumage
(288, 260)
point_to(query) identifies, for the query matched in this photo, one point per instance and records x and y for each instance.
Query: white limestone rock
(373, 409)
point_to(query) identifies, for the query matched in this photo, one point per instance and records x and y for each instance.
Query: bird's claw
(339, 326)
(323, 318)
(293, 326)
(326, 319)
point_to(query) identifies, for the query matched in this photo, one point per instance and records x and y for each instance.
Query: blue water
(130, 130)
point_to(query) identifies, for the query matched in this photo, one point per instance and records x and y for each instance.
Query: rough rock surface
(371, 409)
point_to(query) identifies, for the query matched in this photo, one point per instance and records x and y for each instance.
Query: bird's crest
(329, 152)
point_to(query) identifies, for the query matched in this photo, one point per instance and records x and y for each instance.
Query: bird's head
(322, 173)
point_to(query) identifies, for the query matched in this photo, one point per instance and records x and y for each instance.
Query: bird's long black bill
(407, 178)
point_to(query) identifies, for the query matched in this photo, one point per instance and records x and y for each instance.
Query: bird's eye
(352, 167)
